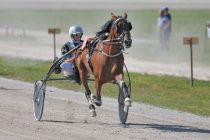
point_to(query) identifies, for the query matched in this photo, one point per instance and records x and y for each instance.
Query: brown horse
(107, 61)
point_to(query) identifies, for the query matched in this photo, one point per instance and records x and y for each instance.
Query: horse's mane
(105, 28)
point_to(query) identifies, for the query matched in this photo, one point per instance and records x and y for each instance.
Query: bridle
(119, 40)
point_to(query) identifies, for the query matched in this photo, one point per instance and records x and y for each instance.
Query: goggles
(77, 34)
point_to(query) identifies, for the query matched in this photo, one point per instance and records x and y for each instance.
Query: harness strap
(108, 55)
(113, 41)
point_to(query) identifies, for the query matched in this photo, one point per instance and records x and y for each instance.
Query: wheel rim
(39, 94)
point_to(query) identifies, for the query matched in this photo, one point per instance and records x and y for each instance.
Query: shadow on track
(54, 121)
(84, 122)
(172, 128)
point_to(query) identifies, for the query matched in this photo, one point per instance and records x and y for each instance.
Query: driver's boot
(57, 69)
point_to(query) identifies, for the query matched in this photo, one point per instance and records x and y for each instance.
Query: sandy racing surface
(66, 112)
(66, 117)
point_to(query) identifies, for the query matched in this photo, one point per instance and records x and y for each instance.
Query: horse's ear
(113, 16)
(125, 15)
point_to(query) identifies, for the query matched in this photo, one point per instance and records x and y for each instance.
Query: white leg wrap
(127, 102)
(92, 97)
(90, 102)
(121, 83)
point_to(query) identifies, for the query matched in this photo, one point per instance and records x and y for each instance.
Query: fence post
(54, 31)
(190, 41)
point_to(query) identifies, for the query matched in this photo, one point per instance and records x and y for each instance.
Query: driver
(68, 66)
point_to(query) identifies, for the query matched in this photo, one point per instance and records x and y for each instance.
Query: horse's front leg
(97, 97)
(123, 87)
(83, 77)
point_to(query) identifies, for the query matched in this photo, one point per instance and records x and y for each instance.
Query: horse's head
(122, 29)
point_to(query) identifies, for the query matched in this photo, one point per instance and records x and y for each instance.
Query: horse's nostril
(128, 41)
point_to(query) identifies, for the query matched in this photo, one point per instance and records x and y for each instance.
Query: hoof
(92, 110)
(127, 102)
(98, 102)
(92, 113)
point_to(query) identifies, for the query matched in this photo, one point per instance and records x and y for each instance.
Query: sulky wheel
(122, 108)
(38, 99)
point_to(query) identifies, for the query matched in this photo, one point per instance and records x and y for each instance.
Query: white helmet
(164, 8)
(75, 29)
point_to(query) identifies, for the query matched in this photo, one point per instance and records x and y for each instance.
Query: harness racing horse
(107, 61)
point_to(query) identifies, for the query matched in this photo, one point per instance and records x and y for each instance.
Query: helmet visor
(77, 34)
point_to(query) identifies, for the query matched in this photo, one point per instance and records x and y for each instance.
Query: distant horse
(106, 62)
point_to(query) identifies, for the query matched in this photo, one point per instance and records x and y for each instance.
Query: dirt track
(66, 117)
(66, 112)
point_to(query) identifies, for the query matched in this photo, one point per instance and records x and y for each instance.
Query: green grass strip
(163, 91)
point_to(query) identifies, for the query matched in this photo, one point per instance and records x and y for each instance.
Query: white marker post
(208, 29)
(190, 41)
(207, 34)
(54, 31)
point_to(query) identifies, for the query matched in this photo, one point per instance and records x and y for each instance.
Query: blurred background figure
(164, 27)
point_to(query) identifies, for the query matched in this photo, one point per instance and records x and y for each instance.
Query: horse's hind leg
(123, 87)
(124, 90)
